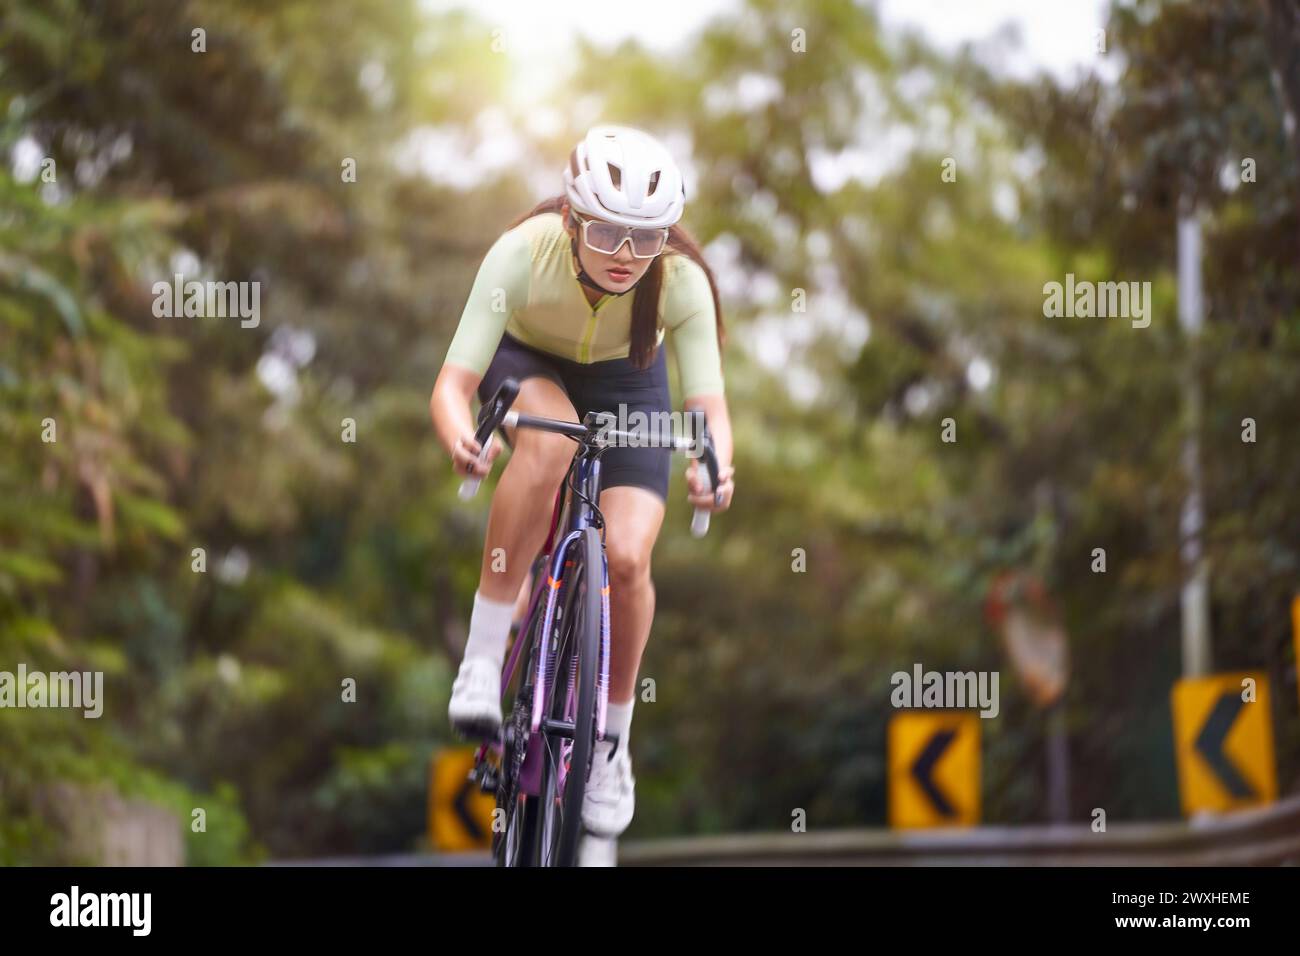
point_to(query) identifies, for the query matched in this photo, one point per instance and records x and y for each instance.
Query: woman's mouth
(620, 275)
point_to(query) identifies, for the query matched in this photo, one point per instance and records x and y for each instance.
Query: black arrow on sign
(1210, 744)
(461, 806)
(923, 766)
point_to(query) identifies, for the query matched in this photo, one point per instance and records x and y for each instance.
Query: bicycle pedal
(486, 778)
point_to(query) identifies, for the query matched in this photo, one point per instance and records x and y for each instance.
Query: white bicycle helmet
(623, 175)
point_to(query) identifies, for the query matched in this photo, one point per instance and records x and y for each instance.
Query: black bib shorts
(597, 387)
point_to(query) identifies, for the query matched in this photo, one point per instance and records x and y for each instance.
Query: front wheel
(567, 747)
(515, 845)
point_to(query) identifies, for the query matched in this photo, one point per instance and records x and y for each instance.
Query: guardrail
(1259, 837)
(1267, 836)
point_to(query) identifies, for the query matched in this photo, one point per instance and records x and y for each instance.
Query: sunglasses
(607, 238)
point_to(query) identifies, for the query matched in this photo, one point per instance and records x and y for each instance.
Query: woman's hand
(454, 423)
(464, 456)
(719, 499)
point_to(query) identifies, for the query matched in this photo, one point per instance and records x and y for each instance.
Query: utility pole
(1196, 574)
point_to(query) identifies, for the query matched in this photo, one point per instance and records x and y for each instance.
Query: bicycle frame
(552, 557)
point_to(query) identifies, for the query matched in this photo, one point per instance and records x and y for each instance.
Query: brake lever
(469, 487)
(700, 520)
(484, 435)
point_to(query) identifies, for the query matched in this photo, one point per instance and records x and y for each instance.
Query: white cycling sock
(489, 629)
(618, 720)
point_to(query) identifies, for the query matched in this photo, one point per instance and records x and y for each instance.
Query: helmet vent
(625, 176)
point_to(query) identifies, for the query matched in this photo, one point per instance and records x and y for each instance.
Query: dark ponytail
(645, 300)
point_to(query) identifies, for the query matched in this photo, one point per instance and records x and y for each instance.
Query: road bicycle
(538, 763)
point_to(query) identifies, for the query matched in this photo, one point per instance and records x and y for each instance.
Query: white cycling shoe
(610, 800)
(475, 706)
(597, 851)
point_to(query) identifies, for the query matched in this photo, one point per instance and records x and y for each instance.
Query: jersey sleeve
(692, 322)
(500, 287)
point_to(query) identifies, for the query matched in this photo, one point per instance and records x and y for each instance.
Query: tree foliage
(869, 299)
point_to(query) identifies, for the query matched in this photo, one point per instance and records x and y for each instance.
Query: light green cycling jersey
(528, 286)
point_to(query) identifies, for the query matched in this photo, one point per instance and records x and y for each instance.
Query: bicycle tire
(579, 636)
(515, 846)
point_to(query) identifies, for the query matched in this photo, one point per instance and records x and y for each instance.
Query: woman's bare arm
(453, 423)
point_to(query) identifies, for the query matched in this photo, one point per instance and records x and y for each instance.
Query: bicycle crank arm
(558, 728)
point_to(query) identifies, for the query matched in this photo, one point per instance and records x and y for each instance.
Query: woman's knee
(629, 561)
(544, 457)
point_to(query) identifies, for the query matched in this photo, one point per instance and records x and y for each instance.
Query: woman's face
(618, 272)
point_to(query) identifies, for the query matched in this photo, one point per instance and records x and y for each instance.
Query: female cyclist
(551, 308)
